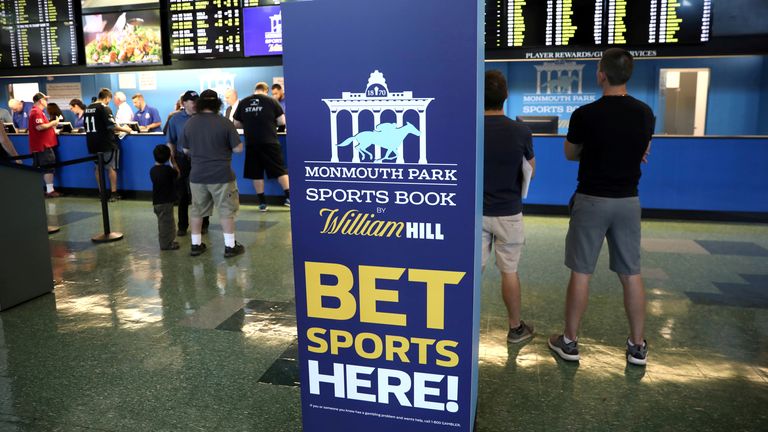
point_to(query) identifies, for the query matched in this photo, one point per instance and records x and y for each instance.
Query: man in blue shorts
(610, 138)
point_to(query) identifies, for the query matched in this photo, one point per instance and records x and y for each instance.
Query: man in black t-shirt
(507, 145)
(259, 115)
(610, 137)
(100, 130)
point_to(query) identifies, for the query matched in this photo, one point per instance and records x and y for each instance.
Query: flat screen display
(206, 28)
(36, 33)
(123, 38)
(584, 23)
(262, 31)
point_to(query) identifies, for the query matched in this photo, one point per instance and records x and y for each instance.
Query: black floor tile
(718, 247)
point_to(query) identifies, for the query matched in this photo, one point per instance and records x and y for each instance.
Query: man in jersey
(259, 115)
(100, 130)
(147, 117)
(175, 128)
(42, 140)
(210, 139)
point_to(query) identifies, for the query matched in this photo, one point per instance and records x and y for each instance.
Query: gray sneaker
(520, 334)
(636, 354)
(566, 351)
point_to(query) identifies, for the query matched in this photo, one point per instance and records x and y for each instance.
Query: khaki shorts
(224, 196)
(506, 235)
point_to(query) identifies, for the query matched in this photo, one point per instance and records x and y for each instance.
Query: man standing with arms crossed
(610, 138)
(100, 130)
(259, 115)
(175, 128)
(507, 143)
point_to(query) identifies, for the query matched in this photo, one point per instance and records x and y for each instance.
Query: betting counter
(722, 174)
(135, 162)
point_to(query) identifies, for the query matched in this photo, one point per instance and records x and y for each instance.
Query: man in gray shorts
(507, 143)
(610, 138)
(210, 140)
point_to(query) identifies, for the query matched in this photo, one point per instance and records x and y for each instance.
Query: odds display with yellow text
(384, 125)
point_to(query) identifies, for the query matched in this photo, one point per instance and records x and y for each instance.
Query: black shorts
(111, 159)
(45, 157)
(264, 157)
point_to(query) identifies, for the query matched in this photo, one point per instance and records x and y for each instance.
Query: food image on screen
(123, 38)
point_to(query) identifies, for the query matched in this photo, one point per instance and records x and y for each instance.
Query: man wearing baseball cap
(210, 139)
(42, 140)
(175, 127)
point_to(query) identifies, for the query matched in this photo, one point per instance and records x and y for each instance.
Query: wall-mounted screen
(263, 31)
(585, 23)
(35, 33)
(206, 28)
(121, 39)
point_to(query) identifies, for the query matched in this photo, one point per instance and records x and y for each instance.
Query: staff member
(100, 129)
(259, 115)
(147, 117)
(78, 107)
(42, 140)
(20, 112)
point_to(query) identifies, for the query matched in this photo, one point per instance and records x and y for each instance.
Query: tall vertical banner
(384, 132)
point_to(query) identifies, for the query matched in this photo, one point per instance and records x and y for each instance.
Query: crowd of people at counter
(192, 170)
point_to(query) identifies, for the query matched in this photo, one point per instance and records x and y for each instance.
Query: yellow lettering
(312, 335)
(340, 339)
(401, 349)
(436, 281)
(370, 295)
(423, 344)
(452, 359)
(378, 346)
(316, 291)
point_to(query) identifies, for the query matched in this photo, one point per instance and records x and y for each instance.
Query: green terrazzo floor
(137, 340)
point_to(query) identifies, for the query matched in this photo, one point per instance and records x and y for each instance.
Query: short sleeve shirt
(259, 113)
(210, 138)
(163, 184)
(507, 142)
(99, 128)
(175, 128)
(148, 116)
(40, 140)
(21, 119)
(614, 132)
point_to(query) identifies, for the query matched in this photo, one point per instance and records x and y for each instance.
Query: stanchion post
(108, 235)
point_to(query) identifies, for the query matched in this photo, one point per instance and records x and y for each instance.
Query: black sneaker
(636, 354)
(196, 250)
(566, 351)
(114, 197)
(520, 334)
(233, 251)
(173, 246)
(181, 233)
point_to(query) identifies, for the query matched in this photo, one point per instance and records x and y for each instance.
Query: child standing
(163, 196)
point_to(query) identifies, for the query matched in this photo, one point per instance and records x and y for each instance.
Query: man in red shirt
(42, 140)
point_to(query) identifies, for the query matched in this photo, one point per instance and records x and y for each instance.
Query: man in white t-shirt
(124, 111)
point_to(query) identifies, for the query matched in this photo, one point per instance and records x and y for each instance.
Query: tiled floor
(137, 340)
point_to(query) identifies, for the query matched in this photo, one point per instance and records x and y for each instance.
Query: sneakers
(262, 207)
(114, 197)
(173, 246)
(53, 194)
(196, 250)
(181, 233)
(566, 351)
(287, 202)
(520, 334)
(636, 354)
(233, 251)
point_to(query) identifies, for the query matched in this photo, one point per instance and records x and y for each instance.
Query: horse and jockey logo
(387, 138)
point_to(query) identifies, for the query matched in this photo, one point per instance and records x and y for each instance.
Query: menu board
(567, 23)
(206, 28)
(35, 33)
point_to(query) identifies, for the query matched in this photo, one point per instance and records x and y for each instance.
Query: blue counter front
(719, 174)
(135, 162)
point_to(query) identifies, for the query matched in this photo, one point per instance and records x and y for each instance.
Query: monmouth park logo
(386, 138)
(559, 77)
(274, 37)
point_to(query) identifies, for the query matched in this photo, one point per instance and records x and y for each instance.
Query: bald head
(230, 95)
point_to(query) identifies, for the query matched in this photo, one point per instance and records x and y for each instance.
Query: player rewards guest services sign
(385, 122)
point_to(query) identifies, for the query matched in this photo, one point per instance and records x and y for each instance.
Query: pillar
(538, 81)
(334, 137)
(376, 123)
(400, 150)
(355, 130)
(423, 137)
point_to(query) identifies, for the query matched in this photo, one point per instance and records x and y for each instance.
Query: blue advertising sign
(384, 126)
(262, 31)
